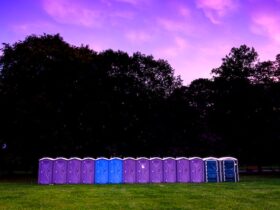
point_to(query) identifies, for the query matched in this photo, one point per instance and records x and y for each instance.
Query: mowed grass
(249, 193)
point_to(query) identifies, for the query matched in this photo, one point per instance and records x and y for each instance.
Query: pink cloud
(34, 28)
(214, 10)
(71, 12)
(267, 24)
(138, 36)
(175, 26)
(176, 48)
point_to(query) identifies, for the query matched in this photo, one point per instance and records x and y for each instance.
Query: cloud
(34, 28)
(178, 46)
(267, 24)
(138, 36)
(135, 2)
(71, 12)
(214, 10)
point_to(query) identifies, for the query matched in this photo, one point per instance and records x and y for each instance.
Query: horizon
(192, 36)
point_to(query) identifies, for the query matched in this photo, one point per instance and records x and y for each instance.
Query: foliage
(61, 100)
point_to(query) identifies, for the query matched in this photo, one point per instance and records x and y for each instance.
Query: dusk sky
(192, 35)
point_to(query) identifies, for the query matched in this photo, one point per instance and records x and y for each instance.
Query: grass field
(250, 193)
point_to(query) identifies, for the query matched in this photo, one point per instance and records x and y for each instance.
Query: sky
(192, 35)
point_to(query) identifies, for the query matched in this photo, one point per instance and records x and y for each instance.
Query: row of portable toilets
(140, 170)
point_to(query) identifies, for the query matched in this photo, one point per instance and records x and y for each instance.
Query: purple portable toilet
(74, 171)
(169, 170)
(142, 170)
(87, 171)
(129, 170)
(183, 170)
(60, 171)
(197, 169)
(156, 170)
(45, 171)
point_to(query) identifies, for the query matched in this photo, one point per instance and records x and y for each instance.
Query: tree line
(61, 100)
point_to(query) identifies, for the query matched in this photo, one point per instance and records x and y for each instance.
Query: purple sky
(192, 35)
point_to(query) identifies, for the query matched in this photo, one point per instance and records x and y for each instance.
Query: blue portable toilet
(101, 171)
(211, 169)
(115, 170)
(229, 169)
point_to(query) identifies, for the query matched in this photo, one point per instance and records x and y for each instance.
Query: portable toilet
(115, 170)
(142, 170)
(87, 170)
(74, 171)
(229, 169)
(183, 170)
(45, 171)
(169, 170)
(211, 169)
(101, 171)
(60, 171)
(156, 170)
(129, 170)
(197, 169)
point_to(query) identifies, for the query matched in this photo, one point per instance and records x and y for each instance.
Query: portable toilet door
(183, 170)
(115, 170)
(169, 170)
(101, 171)
(129, 170)
(156, 170)
(197, 169)
(45, 171)
(229, 169)
(211, 168)
(142, 170)
(74, 171)
(60, 171)
(87, 171)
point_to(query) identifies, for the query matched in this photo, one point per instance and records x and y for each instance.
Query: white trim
(182, 158)
(75, 158)
(141, 158)
(115, 158)
(101, 158)
(61, 158)
(46, 158)
(88, 158)
(155, 158)
(227, 158)
(193, 158)
(169, 158)
(211, 158)
(129, 158)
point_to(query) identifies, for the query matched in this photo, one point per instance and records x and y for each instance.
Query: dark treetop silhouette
(61, 100)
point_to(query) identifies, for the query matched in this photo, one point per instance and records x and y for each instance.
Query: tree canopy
(61, 100)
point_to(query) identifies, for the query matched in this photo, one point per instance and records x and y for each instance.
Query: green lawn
(250, 193)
